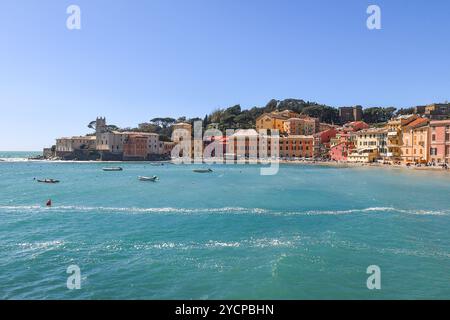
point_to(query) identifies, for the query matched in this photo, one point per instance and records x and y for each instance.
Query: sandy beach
(284, 162)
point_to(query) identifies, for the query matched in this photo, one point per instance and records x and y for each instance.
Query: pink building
(341, 146)
(440, 141)
(322, 142)
(339, 152)
(327, 135)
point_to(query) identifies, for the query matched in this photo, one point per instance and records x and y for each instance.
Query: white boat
(113, 169)
(152, 179)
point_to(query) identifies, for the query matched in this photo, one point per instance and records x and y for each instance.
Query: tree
(378, 114)
(405, 111)
(92, 125)
(323, 113)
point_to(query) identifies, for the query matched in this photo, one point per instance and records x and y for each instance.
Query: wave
(41, 245)
(211, 244)
(224, 210)
(14, 160)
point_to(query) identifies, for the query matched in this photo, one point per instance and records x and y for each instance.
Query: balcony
(393, 144)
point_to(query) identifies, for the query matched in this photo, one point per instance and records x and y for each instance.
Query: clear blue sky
(134, 60)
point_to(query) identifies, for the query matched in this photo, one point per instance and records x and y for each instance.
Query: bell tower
(100, 125)
(100, 128)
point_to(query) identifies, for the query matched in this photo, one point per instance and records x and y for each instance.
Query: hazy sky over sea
(135, 60)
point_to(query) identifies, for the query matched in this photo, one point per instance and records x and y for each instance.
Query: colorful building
(372, 139)
(440, 142)
(355, 126)
(394, 137)
(270, 122)
(370, 145)
(416, 142)
(274, 120)
(297, 146)
(301, 126)
(342, 146)
(364, 155)
(322, 142)
(326, 126)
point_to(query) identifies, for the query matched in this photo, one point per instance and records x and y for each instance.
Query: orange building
(301, 126)
(416, 142)
(297, 146)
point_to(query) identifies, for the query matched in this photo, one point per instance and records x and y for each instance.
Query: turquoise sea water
(18, 155)
(306, 233)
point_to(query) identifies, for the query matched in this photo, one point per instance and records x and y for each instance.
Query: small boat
(48, 181)
(113, 169)
(202, 170)
(152, 179)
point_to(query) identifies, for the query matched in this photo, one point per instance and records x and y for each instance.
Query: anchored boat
(113, 169)
(48, 181)
(152, 179)
(202, 170)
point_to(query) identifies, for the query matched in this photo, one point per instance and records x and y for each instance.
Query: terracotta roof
(418, 122)
(271, 115)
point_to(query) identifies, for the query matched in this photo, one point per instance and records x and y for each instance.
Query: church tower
(100, 125)
(100, 128)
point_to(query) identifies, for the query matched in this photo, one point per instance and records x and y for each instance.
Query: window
(433, 137)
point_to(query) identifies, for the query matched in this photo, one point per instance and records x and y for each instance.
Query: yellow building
(274, 120)
(416, 142)
(364, 155)
(372, 139)
(394, 136)
(370, 144)
(270, 121)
